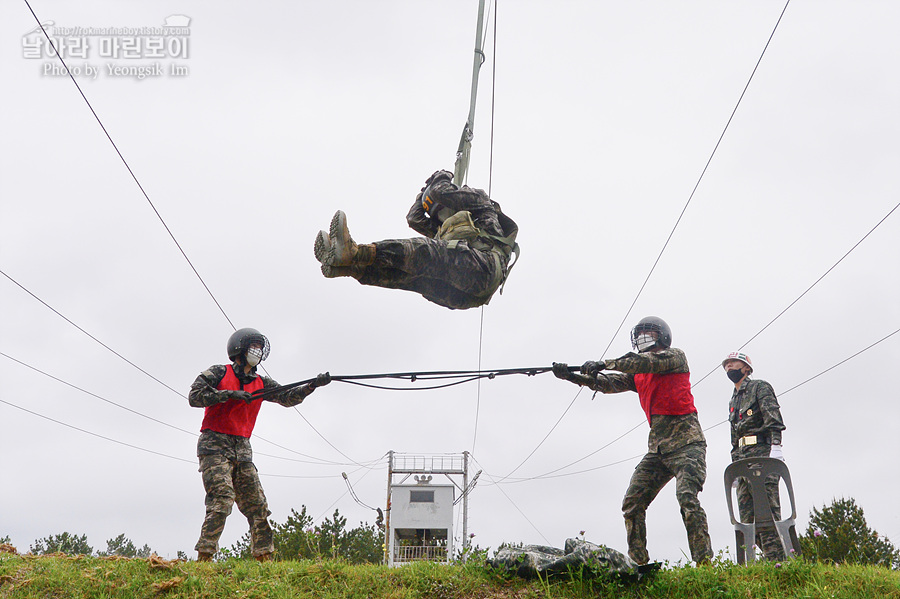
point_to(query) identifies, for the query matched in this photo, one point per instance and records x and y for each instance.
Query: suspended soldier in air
(463, 258)
(660, 375)
(226, 458)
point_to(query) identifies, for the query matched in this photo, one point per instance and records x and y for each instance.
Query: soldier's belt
(751, 440)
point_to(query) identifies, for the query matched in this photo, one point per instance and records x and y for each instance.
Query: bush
(64, 543)
(298, 538)
(838, 534)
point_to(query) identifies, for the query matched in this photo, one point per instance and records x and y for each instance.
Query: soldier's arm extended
(612, 382)
(667, 361)
(295, 395)
(203, 391)
(771, 412)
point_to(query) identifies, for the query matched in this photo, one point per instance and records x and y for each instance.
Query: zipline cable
(808, 289)
(697, 185)
(127, 166)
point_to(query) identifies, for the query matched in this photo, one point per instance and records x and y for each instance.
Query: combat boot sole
(343, 248)
(322, 248)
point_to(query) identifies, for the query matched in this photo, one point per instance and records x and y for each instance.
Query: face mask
(644, 341)
(253, 356)
(735, 375)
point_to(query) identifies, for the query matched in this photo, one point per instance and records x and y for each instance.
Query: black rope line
(466, 375)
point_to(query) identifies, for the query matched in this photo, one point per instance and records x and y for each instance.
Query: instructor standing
(756, 425)
(660, 375)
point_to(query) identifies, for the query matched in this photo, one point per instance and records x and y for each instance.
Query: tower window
(421, 496)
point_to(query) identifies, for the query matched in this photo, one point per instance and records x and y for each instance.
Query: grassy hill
(57, 576)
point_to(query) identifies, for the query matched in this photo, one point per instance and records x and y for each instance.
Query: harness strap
(465, 141)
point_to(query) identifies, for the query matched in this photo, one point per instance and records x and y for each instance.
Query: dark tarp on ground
(529, 561)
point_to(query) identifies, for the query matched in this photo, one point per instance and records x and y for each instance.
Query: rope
(465, 376)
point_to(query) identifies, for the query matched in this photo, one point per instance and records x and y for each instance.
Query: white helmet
(736, 355)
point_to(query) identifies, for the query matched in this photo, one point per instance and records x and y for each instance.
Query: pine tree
(839, 534)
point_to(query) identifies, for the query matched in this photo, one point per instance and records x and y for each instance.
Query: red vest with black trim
(233, 417)
(668, 394)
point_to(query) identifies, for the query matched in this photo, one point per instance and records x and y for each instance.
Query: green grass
(48, 577)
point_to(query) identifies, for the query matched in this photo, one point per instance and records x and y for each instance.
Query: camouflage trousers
(228, 482)
(767, 540)
(687, 465)
(457, 277)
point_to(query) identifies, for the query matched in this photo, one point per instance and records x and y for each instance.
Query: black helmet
(652, 324)
(242, 339)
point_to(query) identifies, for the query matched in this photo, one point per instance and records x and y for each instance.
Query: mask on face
(253, 356)
(644, 341)
(735, 375)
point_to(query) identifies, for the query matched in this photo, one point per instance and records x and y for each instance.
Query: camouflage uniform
(226, 464)
(754, 411)
(456, 274)
(676, 449)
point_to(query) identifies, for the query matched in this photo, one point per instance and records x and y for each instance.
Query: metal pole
(388, 534)
(465, 502)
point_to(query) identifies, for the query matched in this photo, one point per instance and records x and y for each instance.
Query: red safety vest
(233, 417)
(668, 394)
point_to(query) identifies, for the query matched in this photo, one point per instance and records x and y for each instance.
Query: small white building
(421, 522)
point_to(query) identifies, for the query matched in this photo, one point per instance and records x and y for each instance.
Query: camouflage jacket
(754, 410)
(203, 394)
(667, 433)
(485, 212)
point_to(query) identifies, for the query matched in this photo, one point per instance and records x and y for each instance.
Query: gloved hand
(591, 368)
(777, 452)
(321, 380)
(437, 177)
(241, 396)
(561, 371)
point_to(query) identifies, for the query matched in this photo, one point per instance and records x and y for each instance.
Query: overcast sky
(605, 115)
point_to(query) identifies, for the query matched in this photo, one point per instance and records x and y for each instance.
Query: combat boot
(202, 556)
(264, 557)
(343, 248)
(322, 247)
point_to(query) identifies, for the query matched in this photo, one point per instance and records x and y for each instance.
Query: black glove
(591, 368)
(321, 380)
(561, 371)
(437, 177)
(240, 396)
